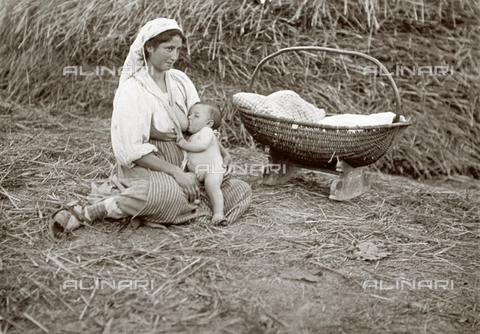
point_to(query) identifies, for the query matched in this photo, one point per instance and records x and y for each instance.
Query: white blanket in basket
(353, 120)
(288, 104)
(284, 103)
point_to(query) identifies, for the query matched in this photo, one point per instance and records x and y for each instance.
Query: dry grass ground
(287, 266)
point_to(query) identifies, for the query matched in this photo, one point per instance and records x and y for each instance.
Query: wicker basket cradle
(313, 145)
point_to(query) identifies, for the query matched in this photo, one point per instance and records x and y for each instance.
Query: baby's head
(204, 114)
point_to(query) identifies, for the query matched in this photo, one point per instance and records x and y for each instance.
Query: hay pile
(227, 39)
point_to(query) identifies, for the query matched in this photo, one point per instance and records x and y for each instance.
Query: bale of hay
(66, 54)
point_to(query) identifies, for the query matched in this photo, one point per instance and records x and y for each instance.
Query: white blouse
(139, 101)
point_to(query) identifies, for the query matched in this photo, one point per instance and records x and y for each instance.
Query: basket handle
(346, 52)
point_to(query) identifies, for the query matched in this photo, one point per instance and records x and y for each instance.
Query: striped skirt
(162, 201)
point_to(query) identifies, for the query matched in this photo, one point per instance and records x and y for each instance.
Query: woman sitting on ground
(152, 101)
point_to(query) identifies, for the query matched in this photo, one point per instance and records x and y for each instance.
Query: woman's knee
(133, 199)
(171, 194)
(240, 187)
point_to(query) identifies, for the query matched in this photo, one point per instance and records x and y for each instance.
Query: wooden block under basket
(349, 183)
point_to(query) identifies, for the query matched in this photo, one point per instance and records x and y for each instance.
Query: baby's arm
(227, 159)
(205, 137)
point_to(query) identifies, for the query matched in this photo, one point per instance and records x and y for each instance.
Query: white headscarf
(136, 57)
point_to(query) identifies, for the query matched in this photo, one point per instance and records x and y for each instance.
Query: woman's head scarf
(136, 57)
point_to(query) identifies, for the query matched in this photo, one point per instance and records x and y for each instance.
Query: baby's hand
(227, 164)
(181, 142)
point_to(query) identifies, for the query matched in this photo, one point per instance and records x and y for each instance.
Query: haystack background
(227, 39)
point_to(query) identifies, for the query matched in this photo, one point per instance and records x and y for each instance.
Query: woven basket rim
(323, 126)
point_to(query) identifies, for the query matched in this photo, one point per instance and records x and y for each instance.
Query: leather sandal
(60, 219)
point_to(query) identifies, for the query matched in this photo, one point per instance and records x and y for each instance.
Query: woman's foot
(67, 219)
(219, 219)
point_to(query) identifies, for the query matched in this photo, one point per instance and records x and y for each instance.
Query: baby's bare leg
(213, 181)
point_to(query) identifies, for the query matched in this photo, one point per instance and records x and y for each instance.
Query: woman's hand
(227, 163)
(189, 184)
(187, 181)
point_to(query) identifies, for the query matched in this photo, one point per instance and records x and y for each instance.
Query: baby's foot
(219, 219)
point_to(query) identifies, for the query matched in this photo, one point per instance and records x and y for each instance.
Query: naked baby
(204, 156)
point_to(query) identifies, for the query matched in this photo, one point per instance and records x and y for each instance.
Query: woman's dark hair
(164, 37)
